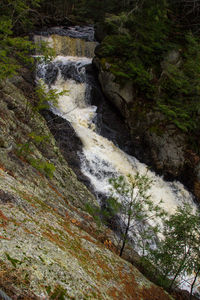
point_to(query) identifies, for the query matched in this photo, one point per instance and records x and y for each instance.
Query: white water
(100, 158)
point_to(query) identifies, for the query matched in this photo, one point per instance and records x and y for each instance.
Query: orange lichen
(67, 215)
(88, 218)
(27, 196)
(57, 192)
(2, 216)
(16, 223)
(88, 238)
(154, 293)
(28, 231)
(4, 238)
(113, 293)
(54, 238)
(3, 225)
(130, 289)
(103, 266)
(73, 221)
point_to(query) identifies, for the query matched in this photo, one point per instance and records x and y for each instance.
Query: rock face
(162, 147)
(50, 247)
(165, 148)
(121, 97)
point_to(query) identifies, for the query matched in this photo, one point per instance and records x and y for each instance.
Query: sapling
(131, 198)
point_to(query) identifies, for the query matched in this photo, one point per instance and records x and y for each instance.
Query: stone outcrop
(120, 96)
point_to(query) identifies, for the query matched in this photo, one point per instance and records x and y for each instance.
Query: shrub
(46, 168)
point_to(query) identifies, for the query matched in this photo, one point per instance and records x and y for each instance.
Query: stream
(104, 153)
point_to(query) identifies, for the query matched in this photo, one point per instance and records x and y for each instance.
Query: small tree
(131, 198)
(179, 253)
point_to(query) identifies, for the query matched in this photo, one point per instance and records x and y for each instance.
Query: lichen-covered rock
(51, 251)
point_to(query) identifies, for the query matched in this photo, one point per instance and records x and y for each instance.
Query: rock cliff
(156, 142)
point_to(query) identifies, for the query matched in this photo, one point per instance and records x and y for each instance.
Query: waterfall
(68, 46)
(100, 158)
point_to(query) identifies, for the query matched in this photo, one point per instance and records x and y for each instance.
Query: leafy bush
(94, 211)
(12, 50)
(24, 149)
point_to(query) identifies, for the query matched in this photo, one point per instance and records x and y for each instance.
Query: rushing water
(100, 158)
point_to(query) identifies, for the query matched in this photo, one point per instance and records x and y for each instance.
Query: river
(100, 157)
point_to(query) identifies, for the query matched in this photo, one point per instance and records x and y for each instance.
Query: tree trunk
(125, 236)
(179, 270)
(193, 283)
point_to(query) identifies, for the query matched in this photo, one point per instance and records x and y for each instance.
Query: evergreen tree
(179, 252)
(131, 199)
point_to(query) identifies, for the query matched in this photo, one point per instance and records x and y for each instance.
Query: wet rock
(109, 121)
(197, 170)
(51, 73)
(197, 181)
(70, 70)
(68, 142)
(172, 58)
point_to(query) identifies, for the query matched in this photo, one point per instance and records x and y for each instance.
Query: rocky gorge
(51, 247)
